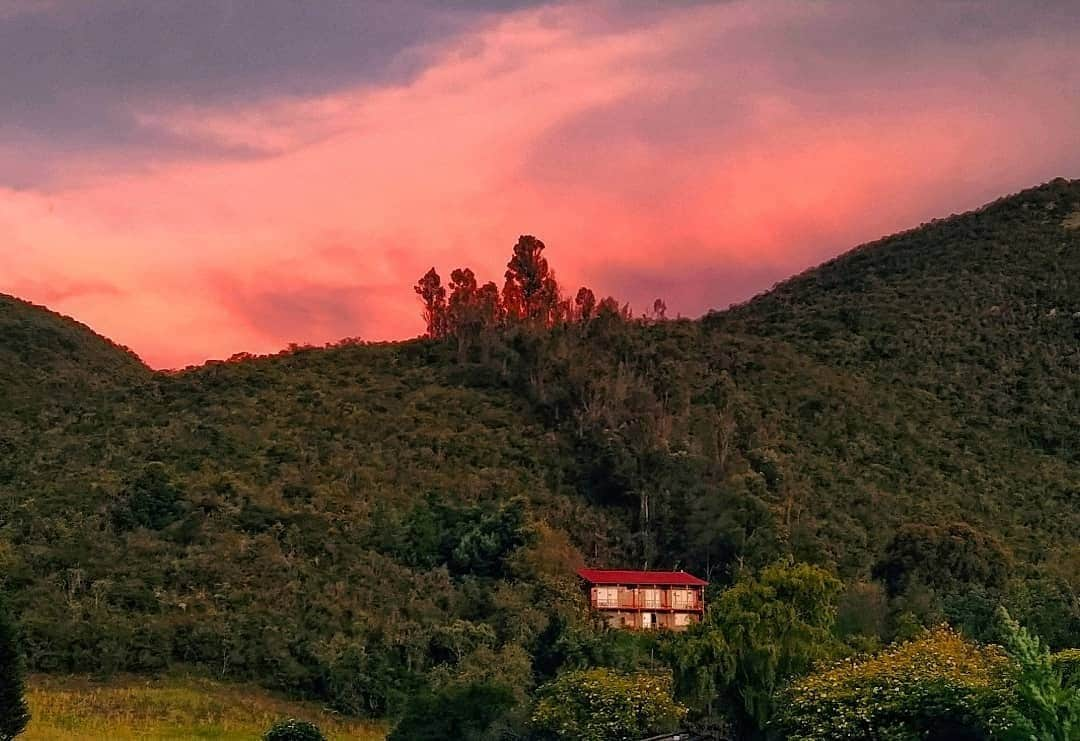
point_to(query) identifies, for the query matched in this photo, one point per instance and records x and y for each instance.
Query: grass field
(137, 708)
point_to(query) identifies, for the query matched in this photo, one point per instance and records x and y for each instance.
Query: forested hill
(980, 310)
(41, 351)
(359, 521)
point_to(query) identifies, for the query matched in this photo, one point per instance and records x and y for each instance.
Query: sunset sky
(195, 179)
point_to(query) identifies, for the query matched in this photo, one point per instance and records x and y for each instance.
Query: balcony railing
(648, 600)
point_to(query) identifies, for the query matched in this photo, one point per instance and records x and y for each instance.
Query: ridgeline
(358, 522)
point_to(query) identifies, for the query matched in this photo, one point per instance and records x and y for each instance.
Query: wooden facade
(645, 600)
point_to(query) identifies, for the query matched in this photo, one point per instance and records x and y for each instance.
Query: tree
(603, 705)
(431, 292)
(530, 291)
(463, 315)
(774, 626)
(14, 714)
(703, 664)
(488, 306)
(151, 500)
(368, 679)
(945, 558)
(1068, 663)
(462, 304)
(1046, 706)
(659, 309)
(1048, 605)
(585, 304)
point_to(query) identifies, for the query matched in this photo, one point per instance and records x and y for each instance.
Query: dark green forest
(393, 528)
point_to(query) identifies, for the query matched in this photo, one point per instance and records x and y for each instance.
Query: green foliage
(1048, 603)
(774, 626)
(603, 705)
(471, 540)
(1068, 663)
(940, 686)
(370, 679)
(1046, 707)
(150, 500)
(703, 664)
(944, 558)
(293, 730)
(361, 523)
(474, 711)
(569, 644)
(14, 714)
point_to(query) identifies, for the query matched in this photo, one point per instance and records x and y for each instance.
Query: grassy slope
(174, 709)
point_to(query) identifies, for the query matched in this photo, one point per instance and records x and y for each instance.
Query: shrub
(602, 705)
(937, 686)
(293, 730)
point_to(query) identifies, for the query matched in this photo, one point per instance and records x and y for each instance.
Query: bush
(938, 686)
(602, 705)
(294, 730)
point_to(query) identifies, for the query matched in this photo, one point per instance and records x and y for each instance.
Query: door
(648, 620)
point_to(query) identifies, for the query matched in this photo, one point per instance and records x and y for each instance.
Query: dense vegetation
(14, 714)
(393, 527)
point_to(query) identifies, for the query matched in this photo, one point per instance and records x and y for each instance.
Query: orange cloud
(643, 154)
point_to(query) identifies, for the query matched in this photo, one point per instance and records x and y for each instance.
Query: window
(681, 619)
(607, 596)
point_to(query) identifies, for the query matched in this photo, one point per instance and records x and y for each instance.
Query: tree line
(530, 295)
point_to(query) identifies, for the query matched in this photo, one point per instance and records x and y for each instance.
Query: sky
(197, 179)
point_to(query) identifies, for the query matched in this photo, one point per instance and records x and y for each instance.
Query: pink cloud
(690, 153)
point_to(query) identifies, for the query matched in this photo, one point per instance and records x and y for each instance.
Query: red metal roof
(664, 578)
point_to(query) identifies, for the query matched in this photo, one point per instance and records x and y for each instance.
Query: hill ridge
(406, 512)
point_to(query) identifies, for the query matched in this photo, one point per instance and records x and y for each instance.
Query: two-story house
(645, 600)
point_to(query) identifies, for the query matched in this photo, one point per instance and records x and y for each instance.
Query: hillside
(982, 311)
(42, 349)
(354, 522)
(972, 325)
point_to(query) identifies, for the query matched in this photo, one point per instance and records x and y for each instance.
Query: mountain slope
(355, 521)
(981, 310)
(39, 347)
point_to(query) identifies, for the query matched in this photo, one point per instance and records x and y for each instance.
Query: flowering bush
(603, 705)
(940, 685)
